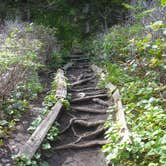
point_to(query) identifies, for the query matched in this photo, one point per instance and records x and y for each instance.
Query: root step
(84, 145)
(88, 97)
(89, 110)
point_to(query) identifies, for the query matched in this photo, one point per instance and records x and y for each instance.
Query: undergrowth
(133, 56)
(26, 49)
(145, 114)
(53, 134)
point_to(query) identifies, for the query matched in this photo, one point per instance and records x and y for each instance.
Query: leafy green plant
(49, 101)
(144, 109)
(137, 70)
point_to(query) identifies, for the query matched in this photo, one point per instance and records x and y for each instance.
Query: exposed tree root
(70, 124)
(84, 145)
(86, 75)
(82, 81)
(89, 110)
(97, 92)
(88, 70)
(73, 77)
(89, 97)
(82, 122)
(82, 94)
(80, 77)
(91, 135)
(100, 101)
(79, 95)
(67, 66)
(83, 89)
(80, 59)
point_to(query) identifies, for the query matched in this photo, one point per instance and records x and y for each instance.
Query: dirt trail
(84, 122)
(81, 127)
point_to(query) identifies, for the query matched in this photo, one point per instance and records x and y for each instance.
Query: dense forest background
(126, 38)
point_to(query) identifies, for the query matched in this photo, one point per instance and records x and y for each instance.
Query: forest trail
(82, 131)
(81, 128)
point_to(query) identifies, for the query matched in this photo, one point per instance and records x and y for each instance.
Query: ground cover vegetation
(134, 57)
(23, 52)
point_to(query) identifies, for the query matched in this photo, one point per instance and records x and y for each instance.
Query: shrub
(24, 48)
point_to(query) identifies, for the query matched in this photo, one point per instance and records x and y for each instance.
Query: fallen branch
(39, 134)
(89, 110)
(84, 145)
(89, 97)
(100, 101)
(82, 81)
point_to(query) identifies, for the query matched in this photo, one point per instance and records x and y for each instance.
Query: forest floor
(81, 127)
